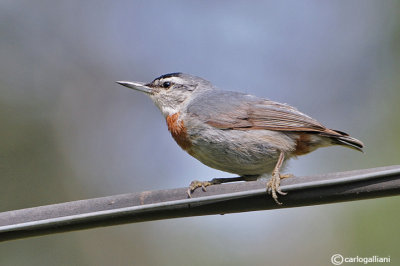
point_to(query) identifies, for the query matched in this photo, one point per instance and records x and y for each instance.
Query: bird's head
(171, 91)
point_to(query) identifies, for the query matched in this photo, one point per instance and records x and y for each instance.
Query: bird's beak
(139, 86)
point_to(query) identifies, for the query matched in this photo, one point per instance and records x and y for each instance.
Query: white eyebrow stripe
(172, 79)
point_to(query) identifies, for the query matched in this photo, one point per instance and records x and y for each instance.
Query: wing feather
(236, 111)
(231, 110)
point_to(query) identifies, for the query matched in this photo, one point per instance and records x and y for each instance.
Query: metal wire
(239, 197)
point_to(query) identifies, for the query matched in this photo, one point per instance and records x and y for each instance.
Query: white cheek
(166, 111)
(164, 106)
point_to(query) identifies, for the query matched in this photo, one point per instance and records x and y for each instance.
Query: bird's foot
(273, 185)
(203, 184)
(283, 176)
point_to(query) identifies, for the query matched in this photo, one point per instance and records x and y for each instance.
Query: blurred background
(69, 132)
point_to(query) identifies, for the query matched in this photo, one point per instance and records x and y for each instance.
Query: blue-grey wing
(237, 111)
(233, 110)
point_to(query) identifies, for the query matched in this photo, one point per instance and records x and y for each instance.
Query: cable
(228, 198)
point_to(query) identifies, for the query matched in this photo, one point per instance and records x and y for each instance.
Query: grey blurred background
(68, 132)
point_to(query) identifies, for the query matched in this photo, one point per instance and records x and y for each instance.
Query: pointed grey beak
(139, 86)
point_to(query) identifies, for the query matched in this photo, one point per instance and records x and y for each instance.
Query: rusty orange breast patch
(303, 144)
(179, 132)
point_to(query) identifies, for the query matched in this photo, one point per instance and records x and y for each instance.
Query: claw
(196, 184)
(283, 176)
(273, 186)
(280, 192)
(189, 193)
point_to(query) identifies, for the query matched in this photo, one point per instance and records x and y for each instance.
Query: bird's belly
(238, 151)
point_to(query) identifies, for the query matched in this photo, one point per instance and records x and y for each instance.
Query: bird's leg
(273, 185)
(215, 181)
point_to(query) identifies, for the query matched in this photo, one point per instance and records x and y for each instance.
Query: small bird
(236, 132)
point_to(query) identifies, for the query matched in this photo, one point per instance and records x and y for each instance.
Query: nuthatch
(236, 132)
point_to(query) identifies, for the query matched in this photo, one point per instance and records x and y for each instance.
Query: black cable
(219, 199)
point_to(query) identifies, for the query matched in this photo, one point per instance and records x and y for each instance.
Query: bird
(235, 132)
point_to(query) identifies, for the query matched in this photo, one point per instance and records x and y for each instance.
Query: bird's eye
(166, 84)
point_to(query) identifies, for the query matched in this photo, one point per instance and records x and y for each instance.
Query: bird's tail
(342, 138)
